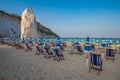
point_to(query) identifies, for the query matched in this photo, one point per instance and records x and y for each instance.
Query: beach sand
(16, 64)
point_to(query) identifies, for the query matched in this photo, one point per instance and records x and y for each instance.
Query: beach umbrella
(88, 39)
(58, 44)
(22, 40)
(17, 40)
(87, 47)
(30, 40)
(41, 42)
(103, 43)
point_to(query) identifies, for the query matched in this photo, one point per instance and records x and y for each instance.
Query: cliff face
(10, 26)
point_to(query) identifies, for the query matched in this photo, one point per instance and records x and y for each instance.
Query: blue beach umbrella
(23, 40)
(88, 39)
(58, 44)
(87, 47)
(103, 44)
(41, 42)
(17, 40)
(30, 40)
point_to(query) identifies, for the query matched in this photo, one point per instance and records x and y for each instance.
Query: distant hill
(11, 18)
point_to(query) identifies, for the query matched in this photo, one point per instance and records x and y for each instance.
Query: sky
(72, 18)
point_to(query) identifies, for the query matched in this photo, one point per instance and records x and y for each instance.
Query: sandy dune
(16, 64)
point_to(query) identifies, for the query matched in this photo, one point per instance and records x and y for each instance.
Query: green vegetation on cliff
(40, 27)
(46, 30)
(11, 15)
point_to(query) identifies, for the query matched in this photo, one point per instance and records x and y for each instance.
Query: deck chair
(58, 55)
(95, 62)
(110, 54)
(79, 49)
(15, 44)
(28, 48)
(9, 43)
(75, 44)
(20, 46)
(22, 43)
(93, 47)
(103, 45)
(38, 50)
(58, 44)
(48, 53)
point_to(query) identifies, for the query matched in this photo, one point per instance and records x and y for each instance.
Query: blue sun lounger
(110, 53)
(95, 60)
(79, 48)
(58, 54)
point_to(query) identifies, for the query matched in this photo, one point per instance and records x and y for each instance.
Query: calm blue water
(114, 40)
(80, 39)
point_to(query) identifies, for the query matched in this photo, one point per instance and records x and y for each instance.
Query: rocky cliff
(10, 25)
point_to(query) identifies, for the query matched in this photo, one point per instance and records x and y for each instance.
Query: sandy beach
(16, 64)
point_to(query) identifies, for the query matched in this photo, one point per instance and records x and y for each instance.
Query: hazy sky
(72, 18)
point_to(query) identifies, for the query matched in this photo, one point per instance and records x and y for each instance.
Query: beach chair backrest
(27, 45)
(76, 43)
(30, 41)
(79, 48)
(41, 43)
(22, 41)
(93, 46)
(38, 49)
(58, 44)
(47, 51)
(95, 59)
(103, 45)
(110, 52)
(56, 51)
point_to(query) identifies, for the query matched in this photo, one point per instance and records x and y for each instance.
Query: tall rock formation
(28, 24)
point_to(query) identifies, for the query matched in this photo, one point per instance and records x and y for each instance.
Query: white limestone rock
(28, 24)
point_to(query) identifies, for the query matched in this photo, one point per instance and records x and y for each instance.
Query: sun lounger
(110, 54)
(58, 55)
(79, 49)
(95, 62)
(28, 48)
(48, 53)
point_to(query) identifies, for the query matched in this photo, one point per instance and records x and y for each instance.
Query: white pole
(87, 59)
